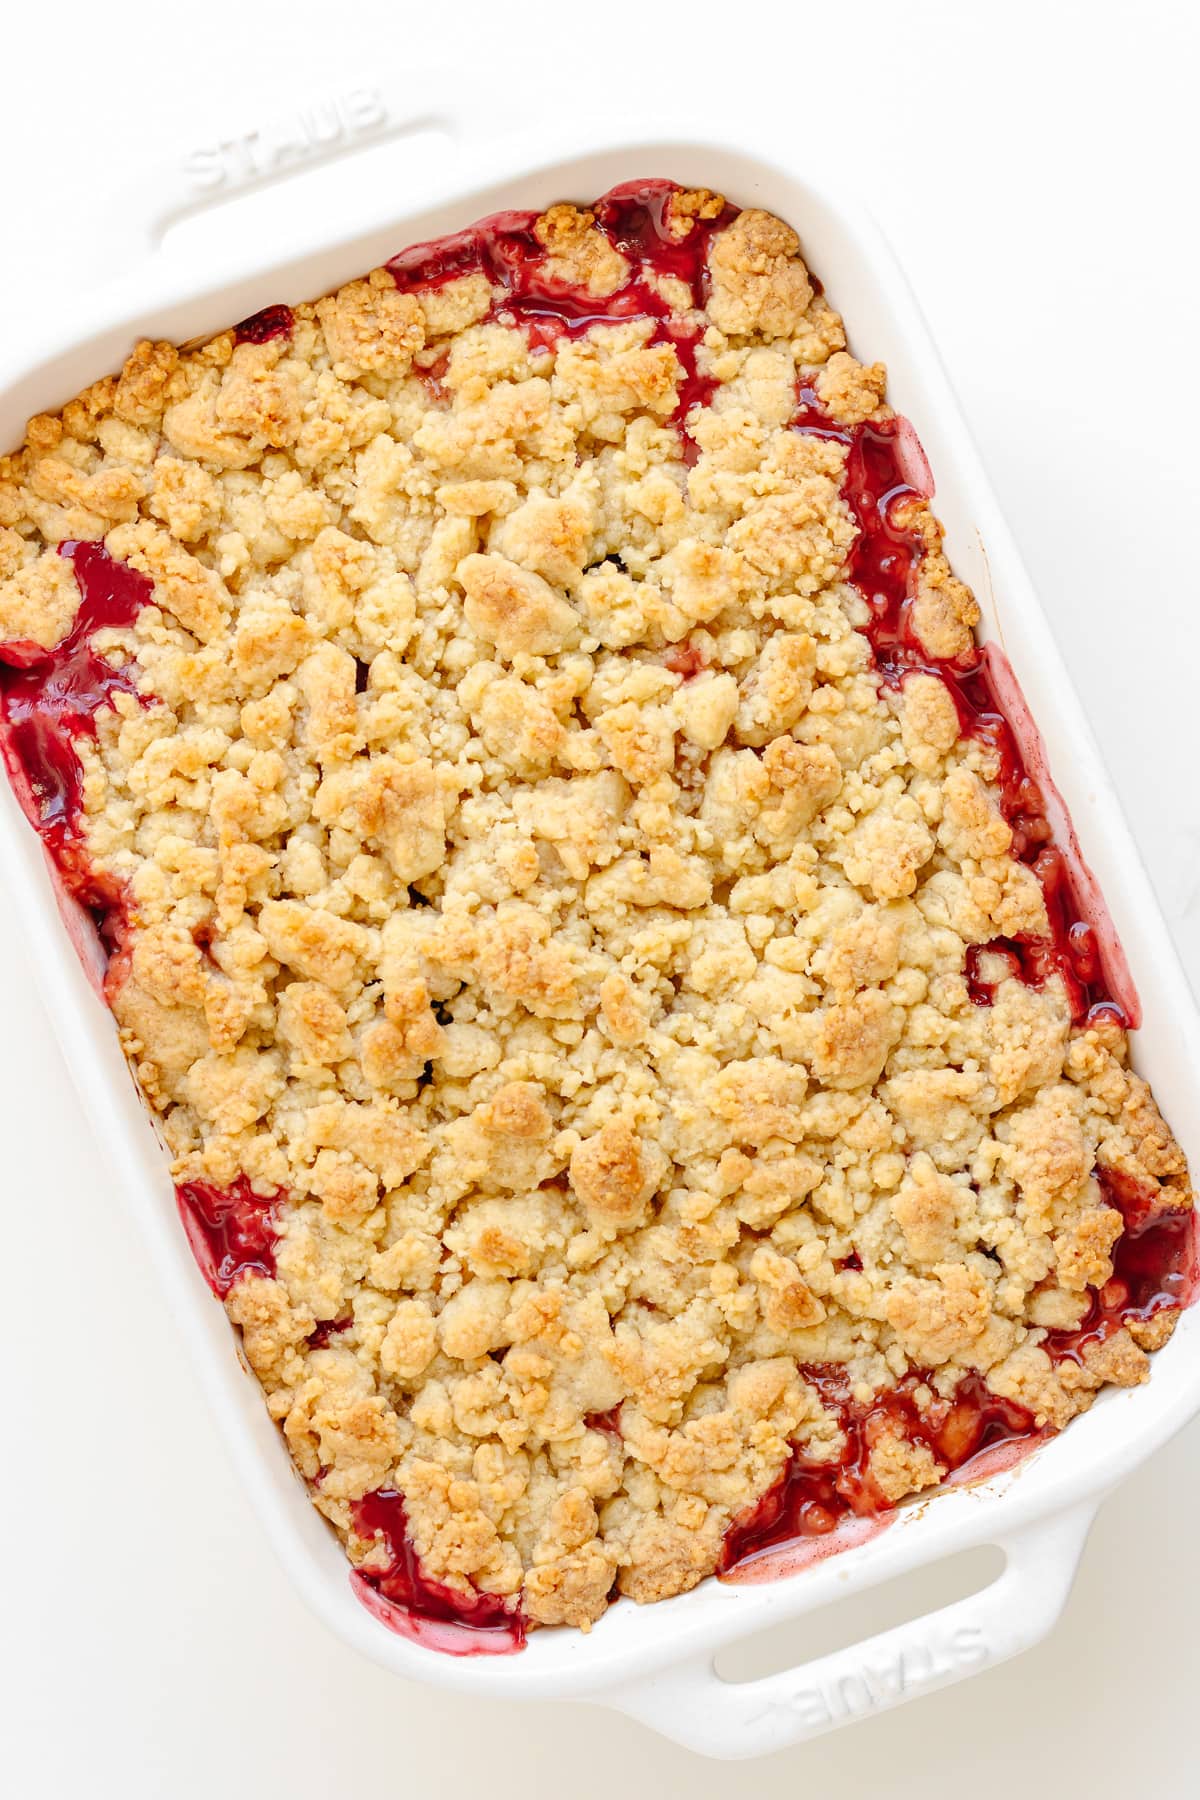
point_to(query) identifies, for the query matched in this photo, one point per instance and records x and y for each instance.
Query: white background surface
(1031, 164)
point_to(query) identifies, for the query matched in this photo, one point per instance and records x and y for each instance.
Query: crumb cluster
(529, 879)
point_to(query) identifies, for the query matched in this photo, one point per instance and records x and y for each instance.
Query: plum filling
(636, 220)
(1156, 1265)
(231, 1230)
(323, 1334)
(51, 698)
(886, 474)
(608, 1422)
(812, 1498)
(410, 1602)
(261, 327)
(1155, 1262)
(685, 660)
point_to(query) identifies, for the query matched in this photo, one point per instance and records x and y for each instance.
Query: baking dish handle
(692, 1705)
(332, 127)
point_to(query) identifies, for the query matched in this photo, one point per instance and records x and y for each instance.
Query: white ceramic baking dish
(654, 1663)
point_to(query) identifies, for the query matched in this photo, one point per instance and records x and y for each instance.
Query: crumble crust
(530, 879)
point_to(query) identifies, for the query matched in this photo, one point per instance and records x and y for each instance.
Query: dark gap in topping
(418, 1607)
(852, 1263)
(417, 898)
(981, 992)
(608, 1422)
(261, 327)
(685, 660)
(362, 674)
(1156, 1265)
(1071, 949)
(319, 1338)
(204, 936)
(231, 1230)
(634, 218)
(48, 699)
(810, 1499)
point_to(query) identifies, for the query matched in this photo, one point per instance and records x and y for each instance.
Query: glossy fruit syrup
(608, 1422)
(635, 219)
(1155, 1264)
(427, 1611)
(886, 476)
(812, 1499)
(1156, 1261)
(231, 1230)
(685, 660)
(261, 327)
(324, 1333)
(49, 699)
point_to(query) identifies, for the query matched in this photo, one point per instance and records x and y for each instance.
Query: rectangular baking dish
(654, 1663)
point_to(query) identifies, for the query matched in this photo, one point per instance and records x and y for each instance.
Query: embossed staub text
(308, 134)
(869, 1683)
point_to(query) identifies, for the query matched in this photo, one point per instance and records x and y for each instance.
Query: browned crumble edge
(591, 1016)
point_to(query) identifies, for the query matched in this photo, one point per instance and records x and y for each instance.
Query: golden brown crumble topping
(600, 1010)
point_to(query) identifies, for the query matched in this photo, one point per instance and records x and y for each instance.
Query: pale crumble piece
(39, 600)
(146, 383)
(186, 498)
(110, 494)
(184, 586)
(944, 611)
(371, 328)
(614, 1175)
(452, 307)
(577, 254)
(848, 391)
(535, 898)
(760, 287)
(14, 553)
(513, 608)
(686, 205)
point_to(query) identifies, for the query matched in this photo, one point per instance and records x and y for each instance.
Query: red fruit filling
(609, 1422)
(886, 474)
(261, 327)
(810, 1499)
(1156, 1264)
(686, 660)
(634, 218)
(409, 1602)
(231, 1230)
(319, 1338)
(50, 698)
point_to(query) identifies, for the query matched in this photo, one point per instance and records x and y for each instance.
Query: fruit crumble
(639, 1070)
